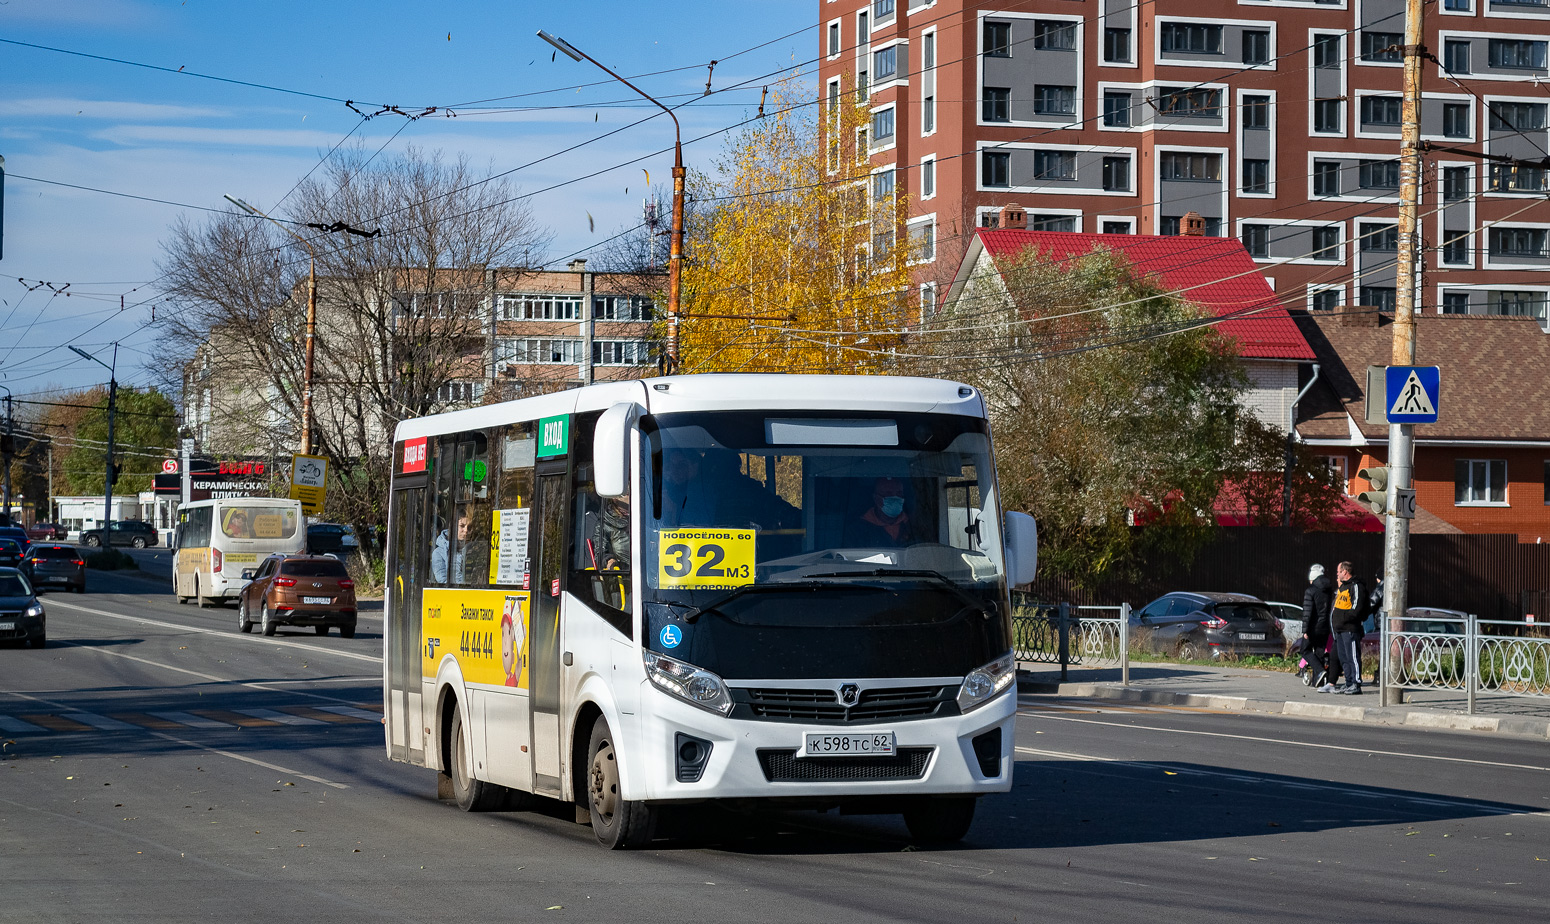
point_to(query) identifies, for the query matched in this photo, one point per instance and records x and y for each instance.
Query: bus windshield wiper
(970, 600)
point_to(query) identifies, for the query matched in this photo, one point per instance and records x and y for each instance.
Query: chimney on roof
(1192, 225)
(1357, 315)
(1013, 217)
(577, 266)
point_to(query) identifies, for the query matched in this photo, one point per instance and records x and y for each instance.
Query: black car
(326, 539)
(16, 534)
(48, 566)
(11, 553)
(1208, 625)
(21, 615)
(137, 533)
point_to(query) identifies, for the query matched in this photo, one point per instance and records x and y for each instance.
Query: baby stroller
(1304, 669)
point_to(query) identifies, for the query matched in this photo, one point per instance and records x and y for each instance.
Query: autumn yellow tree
(796, 259)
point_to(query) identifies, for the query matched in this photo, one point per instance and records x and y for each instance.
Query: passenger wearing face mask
(885, 524)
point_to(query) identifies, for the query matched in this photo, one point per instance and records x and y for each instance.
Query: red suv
(298, 590)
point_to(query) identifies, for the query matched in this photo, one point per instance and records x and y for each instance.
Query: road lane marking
(1260, 779)
(274, 687)
(332, 718)
(56, 723)
(14, 726)
(192, 721)
(353, 712)
(233, 718)
(279, 717)
(252, 760)
(233, 635)
(146, 721)
(100, 722)
(1301, 744)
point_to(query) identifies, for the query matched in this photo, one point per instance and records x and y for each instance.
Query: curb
(1518, 726)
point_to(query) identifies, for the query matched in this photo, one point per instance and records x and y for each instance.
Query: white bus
(218, 539)
(754, 587)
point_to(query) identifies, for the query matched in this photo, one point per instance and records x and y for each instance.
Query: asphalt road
(159, 766)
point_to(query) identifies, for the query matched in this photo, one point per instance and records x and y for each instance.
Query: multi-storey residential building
(1277, 121)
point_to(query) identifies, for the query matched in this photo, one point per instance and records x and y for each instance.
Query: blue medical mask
(893, 506)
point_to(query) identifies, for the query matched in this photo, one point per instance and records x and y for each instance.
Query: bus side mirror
(1022, 548)
(611, 450)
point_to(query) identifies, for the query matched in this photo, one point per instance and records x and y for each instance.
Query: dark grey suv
(48, 566)
(121, 532)
(1208, 625)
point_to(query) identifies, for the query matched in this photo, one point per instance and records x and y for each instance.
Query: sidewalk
(1274, 692)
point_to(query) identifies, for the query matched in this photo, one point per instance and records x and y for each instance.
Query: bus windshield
(879, 530)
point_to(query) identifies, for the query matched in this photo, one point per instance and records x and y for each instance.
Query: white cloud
(111, 110)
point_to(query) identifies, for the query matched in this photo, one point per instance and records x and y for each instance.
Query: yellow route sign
(705, 558)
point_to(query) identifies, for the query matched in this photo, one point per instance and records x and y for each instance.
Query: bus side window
(600, 553)
(514, 481)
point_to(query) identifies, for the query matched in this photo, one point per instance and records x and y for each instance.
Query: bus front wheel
(940, 820)
(618, 823)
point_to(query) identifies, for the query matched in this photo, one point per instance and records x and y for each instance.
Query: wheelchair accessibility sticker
(671, 636)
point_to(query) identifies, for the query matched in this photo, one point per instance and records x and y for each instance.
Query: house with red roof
(1484, 466)
(1215, 273)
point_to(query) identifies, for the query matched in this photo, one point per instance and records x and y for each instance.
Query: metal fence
(1073, 635)
(1471, 655)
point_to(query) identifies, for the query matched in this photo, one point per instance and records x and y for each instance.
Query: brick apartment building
(1277, 121)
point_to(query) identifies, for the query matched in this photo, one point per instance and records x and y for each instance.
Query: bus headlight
(984, 683)
(691, 684)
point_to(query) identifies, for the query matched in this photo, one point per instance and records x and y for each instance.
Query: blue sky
(189, 140)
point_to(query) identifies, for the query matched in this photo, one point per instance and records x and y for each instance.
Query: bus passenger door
(406, 575)
(544, 639)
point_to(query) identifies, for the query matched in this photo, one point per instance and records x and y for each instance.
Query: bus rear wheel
(472, 794)
(618, 823)
(940, 821)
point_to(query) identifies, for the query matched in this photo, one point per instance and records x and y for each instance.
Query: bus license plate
(824, 744)
(1252, 636)
(316, 601)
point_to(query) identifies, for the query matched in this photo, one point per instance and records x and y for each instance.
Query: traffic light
(1375, 498)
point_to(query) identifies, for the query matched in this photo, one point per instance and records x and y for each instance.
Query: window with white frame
(623, 308)
(834, 39)
(1479, 482)
(540, 307)
(928, 178)
(621, 352)
(922, 241)
(460, 392)
(882, 127)
(1339, 469)
(885, 63)
(927, 299)
(1192, 37)
(928, 65)
(539, 351)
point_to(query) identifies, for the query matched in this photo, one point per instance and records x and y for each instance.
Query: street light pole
(312, 324)
(675, 253)
(107, 491)
(6, 444)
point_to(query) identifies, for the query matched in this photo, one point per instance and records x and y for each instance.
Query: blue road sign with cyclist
(1412, 393)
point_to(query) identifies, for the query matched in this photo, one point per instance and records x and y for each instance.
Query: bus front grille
(781, 765)
(817, 705)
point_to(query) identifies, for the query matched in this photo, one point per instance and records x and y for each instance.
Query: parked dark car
(49, 532)
(137, 533)
(298, 590)
(11, 553)
(16, 534)
(1209, 625)
(48, 566)
(328, 539)
(21, 615)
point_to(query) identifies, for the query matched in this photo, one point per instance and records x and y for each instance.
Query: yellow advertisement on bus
(485, 630)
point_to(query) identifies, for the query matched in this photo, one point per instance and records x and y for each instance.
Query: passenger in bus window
(885, 524)
(611, 535)
(446, 563)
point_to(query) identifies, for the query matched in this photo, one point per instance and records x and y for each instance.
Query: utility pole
(7, 447)
(111, 468)
(675, 252)
(1407, 283)
(312, 324)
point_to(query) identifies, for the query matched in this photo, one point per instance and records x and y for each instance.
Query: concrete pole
(10, 436)
(1407, 278)
(306, 375)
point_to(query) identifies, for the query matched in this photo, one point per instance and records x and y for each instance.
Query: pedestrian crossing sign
(1412, 393)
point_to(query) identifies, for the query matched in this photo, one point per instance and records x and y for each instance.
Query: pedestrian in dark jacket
(1345, 622)
(1315, 623)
